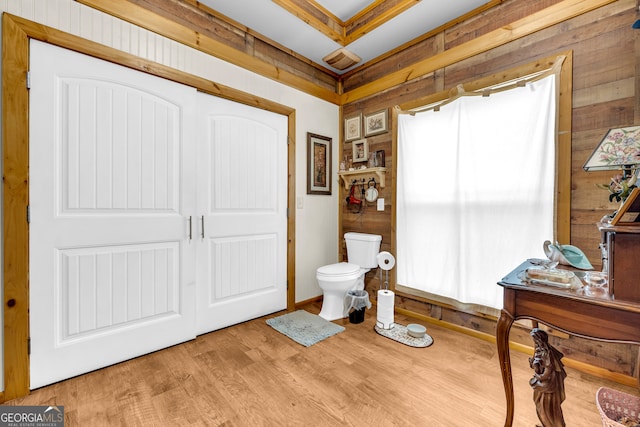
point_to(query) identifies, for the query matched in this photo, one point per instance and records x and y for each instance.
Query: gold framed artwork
(360, 150)
(376, 123)
(318, 164)
(353, 128)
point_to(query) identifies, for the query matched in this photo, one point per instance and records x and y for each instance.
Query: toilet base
(333, 305)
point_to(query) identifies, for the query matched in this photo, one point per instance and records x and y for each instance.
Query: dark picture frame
(318, 164)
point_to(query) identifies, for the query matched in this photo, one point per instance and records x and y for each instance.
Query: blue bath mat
(303, 327)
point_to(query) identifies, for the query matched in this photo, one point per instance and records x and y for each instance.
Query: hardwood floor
(251, 375)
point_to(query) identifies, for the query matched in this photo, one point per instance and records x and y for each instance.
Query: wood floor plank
(251, 375)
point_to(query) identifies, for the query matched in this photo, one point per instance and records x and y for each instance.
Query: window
(475, 190)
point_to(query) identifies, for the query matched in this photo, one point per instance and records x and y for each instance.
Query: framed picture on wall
(318, 164)
(376, 123)
(353, 127)
(360, 151)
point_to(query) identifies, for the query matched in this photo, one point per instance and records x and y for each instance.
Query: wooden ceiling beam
(344, 33)
(372, 17)
(311, 13)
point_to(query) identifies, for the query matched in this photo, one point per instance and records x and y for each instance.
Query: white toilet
(336, 279)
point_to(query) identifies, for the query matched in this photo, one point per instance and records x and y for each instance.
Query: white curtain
(475, 191)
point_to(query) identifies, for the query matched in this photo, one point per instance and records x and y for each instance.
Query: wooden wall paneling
(604, 115)
(605, 92)
(590, 36)
(492, 19)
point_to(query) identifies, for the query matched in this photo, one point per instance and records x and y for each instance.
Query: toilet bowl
(336, 280)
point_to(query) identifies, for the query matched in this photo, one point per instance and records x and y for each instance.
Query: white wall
(317, 220)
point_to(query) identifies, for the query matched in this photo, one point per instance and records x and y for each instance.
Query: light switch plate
(381, 205)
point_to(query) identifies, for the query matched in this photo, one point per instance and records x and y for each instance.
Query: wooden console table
(572, 311)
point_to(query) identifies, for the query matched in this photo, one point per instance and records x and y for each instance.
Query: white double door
(157, 213)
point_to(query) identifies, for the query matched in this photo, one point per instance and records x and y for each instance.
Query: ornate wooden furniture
(576, 312)
(621, 253)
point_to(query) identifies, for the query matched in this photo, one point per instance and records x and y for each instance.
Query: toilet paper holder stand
(386, 281)
(386, 261)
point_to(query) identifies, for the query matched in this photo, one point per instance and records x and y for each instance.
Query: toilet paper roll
(386, 261)
(386, 302)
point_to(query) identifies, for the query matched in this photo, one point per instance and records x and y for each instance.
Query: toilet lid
(339, 269)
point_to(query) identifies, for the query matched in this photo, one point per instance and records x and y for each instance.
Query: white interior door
(242, 203)
(111, 264)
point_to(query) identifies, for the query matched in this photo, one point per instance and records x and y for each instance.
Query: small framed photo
(318, 164)
(360, 151)
(353, 128)
(376, 123)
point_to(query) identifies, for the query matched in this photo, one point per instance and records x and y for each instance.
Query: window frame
(562, 219)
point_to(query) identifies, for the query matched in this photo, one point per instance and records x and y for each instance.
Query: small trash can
(354, 305)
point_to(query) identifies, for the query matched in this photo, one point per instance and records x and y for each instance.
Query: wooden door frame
(16, 32)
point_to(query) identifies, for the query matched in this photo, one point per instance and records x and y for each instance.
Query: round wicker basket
(615, 405)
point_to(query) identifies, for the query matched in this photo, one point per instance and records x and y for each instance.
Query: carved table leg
(548, 380)
(502, 340)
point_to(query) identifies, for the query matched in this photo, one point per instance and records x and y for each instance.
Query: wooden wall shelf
(348, 176)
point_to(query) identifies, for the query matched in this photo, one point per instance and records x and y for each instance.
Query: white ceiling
(277, 24)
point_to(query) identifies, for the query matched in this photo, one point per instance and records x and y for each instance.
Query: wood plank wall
(605, 52)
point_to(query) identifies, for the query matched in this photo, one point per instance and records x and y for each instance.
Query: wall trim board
(165, 27)
(545, 18)
(16, 32)
(15, 136)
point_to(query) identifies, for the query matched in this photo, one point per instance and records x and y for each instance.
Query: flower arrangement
(620, 187)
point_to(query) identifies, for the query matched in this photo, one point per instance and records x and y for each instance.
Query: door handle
(202, 227)
(190, 227)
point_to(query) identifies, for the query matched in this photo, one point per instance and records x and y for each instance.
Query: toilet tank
(362, 249)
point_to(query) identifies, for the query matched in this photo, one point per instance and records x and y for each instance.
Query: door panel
(242, 197)
(111, 265)
(128, 230)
